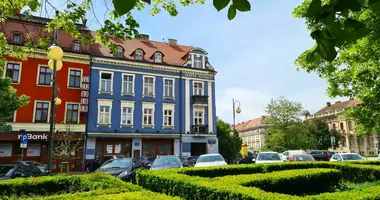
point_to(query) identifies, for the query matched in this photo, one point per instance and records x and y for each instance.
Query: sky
(253, 54)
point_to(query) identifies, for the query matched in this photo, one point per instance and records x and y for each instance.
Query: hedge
(196, 183)
(47, 185)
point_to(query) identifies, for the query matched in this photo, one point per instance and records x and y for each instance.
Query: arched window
(139, 54)
(158, 57)
(119, 52)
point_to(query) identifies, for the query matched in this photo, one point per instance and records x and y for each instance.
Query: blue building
(151, 98)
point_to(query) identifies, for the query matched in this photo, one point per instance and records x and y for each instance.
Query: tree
(346, 53)
(229, 146)
(321, 134)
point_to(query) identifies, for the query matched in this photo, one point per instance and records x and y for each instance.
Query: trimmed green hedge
(196, 183)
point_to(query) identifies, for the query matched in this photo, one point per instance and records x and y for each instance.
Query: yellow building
(253, 133)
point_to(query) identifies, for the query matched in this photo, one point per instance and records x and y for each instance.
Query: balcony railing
(200, 99)
(199, 129)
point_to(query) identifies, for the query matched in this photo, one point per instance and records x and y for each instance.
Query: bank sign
(35, 137)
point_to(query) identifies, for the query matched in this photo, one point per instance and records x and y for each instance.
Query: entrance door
(116, 147)
(198, 149)
(136, 153)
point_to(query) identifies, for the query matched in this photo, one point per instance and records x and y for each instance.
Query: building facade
(349, 141)
(253, 133)
(151, 98)
(32, 77)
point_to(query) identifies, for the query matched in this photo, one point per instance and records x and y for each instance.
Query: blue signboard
(23, 139)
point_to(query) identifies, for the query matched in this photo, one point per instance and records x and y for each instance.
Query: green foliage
(321, 135)
(229, 146)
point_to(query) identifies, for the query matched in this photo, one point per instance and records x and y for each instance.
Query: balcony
(200, 99)
(199, 129)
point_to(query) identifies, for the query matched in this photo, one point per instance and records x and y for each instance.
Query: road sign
(23, 139)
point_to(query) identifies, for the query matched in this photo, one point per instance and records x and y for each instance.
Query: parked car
(346, 157)
(42, 167)
(287, 155)
(94, 166)
(320, 155)
(302, 158)
(248, 160)
(166, 162)
(208, 160)
(18, 171)
(268, 157)
(190, 161)
(123, 168)
(146, 161)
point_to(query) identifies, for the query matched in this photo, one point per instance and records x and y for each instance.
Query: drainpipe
(85, 137)
(180, 113)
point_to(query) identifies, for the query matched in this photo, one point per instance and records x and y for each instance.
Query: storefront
(118, 147)
(154, 147)
(37, 150)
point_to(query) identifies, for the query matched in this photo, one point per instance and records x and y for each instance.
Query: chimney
(172, 42)
(17, 11)
(337, 101)
(144, 37)
(328, 104)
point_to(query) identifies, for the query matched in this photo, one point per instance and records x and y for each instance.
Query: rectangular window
(13, 72)
(126, 116)
(72, 113)
(198, 117)
(75, 78)
(104, 115)
(162, 149)
(41, 112)
(127, 84)
(44, 76)
(105, 82)
(148, 116)
(149, 86)
(198, 62)
(76, 46)
(168, 117)
(168, 88)
(17, 38)
(198, 88)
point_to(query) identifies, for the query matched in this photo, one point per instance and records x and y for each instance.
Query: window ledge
(38, 85)
(15, 83)
(105, 92)
(74, 88)
(127, 94)
(147, 126)
(170, 98)
(148, 96)
(98, 124)
(168, 127)
(126, 125)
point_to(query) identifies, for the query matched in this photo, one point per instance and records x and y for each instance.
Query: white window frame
(76, 44)
(148, 105)
(139, 51)
(124, 104)
(196, 57)
(158, 55)
(173, 88)
(119, 52)
(19, 71)
(104, 102)
(100, 82)
(171, 107)
(68, 78)
(78, 117)
(199, 109)
(122, 85)
(35, 106)
(38, 76)
(154, 86)
(202, 89)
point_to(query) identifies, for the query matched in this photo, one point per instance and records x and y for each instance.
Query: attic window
(198, 62)
(119, 52)
(139, 54)
(17, 38)
(158, 57)
(76, 46)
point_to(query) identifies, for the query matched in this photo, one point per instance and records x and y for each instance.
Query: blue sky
(254, 53)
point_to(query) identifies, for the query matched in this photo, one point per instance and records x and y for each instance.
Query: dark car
(16, 171)
(166, 162)
(146, 161)
(189, 161)
(42, 167)
(123, 168)
(248, 160)
(320, 155)
(93, 166)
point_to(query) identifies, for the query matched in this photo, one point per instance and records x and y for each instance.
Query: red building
(32, 77)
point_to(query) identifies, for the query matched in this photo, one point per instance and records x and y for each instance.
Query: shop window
(6, 150)
(145, 150)
(162, 149)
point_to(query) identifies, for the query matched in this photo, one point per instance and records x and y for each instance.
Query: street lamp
(55, 55)
(237, 110)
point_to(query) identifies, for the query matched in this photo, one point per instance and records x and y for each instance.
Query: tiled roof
(173, 54)
(249, 124)
(241, 125)
(338, 106)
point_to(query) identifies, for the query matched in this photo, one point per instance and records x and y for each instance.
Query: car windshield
(167, 160)
(352, 157)
(303, 158)
(6, 171)
(211, 158)
(151, 159)
(118, 163)
(268, 156)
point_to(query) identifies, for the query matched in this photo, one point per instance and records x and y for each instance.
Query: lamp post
(55, 55)
(238, 111)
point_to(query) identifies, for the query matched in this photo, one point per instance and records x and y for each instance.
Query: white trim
(199, 109)
(104, 102)
(78, 117)
(210, 115)
(148, 105)
(68, 78)
(100, 82)
(19, 72)
(122, 84)
(196, 55)
(134, 135)
(203, 87)
(187, 106)
(173, 88)
(154, 86)
(125, 103)
(38, 76)
(168, 106)
(46, 126)
(34, 110)
(15, 116)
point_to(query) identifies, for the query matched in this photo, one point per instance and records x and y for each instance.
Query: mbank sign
(35, 137)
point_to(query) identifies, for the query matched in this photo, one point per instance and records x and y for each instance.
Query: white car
(208, 160)
(268, 157)
(287, 155)
(346, 157)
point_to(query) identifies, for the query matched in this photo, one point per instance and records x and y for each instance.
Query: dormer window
(119, 52)
(76, 46)
(139, 54)
(198, 62)
(158, 57)
(17, 38)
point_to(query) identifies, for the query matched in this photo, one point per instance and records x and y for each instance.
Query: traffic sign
(23, 139)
